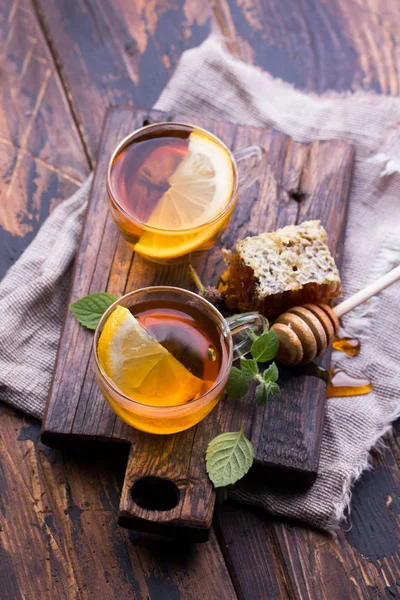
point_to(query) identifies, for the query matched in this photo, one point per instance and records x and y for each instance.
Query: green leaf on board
(266, 389)
(274, 389)
(261, 394)
(249, 368)
(236, 386)
(266, 347)
(89, 309)
(271, 374)
(229, 457)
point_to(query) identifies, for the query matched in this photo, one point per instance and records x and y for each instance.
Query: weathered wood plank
(363, 562)
(41, 159)
(291, 433)
(319, 46)
(251, 553)
(119, 52)
(115, 52)
(59, 536)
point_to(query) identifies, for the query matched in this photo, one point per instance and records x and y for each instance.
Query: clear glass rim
(170, 125)
(157, 289)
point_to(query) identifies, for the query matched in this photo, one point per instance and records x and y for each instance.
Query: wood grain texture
(38, 169)
(363, 53)
(59, 537)
(321, 45)
(287, 432)
(118, 52)
(177, 498)
(362, 562)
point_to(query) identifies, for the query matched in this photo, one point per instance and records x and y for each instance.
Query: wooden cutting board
(172, 493)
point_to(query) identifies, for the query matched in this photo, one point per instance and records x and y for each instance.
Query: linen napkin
(209, 82)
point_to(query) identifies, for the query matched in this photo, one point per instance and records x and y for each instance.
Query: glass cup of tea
(162, 356)
(172, 188)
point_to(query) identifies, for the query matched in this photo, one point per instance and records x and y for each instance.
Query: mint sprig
(249, 368)
(230, 455)
(89, 309)
(263, 349)
(237, 384)
(267, 386)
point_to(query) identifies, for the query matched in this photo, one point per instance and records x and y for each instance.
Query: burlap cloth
(209, 82)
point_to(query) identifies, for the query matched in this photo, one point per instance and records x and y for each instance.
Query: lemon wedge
(141, 367)
(200, 187)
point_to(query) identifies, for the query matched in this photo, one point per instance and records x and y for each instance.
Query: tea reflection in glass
(172, 189)
(163, 355)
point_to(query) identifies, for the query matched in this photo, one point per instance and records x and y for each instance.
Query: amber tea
(172, 189)
(163, 357)
(162, 353)
(190, 338)
(167, 186)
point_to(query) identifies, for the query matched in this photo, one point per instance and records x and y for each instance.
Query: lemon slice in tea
(200, 189)
(141, 367)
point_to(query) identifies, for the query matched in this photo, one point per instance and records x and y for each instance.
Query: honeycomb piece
(272, 272)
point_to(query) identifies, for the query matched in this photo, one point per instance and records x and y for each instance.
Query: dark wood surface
(287, 432)
(58, 534)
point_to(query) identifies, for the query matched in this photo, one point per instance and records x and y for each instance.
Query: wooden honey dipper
(305, 332)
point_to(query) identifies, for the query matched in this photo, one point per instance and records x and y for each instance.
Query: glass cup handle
(249, 174)
(241, 326)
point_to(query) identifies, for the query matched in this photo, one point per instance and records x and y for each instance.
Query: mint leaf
(271, 374)
(266, 389)
(261, 394)
(89, 310)
(236, 386)
(249, 368)
(274, 389)
(266, 347)
(229, 457)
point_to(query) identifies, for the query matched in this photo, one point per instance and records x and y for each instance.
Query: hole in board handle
(155, 493)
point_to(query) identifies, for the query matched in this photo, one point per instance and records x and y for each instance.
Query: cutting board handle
(158, 497)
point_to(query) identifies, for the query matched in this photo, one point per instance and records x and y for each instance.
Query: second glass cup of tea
(162, 356)
(172, 188)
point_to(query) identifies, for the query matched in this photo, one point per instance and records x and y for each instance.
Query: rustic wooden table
(62, 63)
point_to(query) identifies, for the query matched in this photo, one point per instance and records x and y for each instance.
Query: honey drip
(348, 345)
(343, 384)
